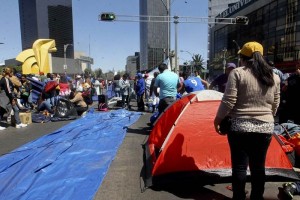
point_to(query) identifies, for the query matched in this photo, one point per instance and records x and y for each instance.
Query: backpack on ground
(102, 107)
(65, 108)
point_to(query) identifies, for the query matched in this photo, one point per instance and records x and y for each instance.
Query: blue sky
(109, 43)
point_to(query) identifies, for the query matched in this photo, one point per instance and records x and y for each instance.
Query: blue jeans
(248, 149)
(45, 105)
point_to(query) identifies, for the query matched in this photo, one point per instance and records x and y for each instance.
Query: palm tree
(199, 62)
(218, 62)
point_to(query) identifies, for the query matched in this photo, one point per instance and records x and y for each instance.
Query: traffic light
(108, 17)
(242, 20)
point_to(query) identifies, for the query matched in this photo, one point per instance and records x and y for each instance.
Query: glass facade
(274, 24)
(51, 19)
(153, 35)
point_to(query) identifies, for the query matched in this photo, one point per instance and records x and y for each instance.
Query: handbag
(225, 125)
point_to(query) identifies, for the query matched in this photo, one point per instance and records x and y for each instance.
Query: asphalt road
(123, 180)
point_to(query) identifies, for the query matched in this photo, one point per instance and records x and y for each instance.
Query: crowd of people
(19, 93)
(253, 93)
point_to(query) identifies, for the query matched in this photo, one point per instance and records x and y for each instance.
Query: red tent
(183, 142)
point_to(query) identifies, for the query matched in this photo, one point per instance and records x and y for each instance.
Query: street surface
(123, 181)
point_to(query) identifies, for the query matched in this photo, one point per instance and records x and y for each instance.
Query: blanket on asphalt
(69, 163)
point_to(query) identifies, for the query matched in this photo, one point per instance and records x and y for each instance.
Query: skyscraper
(153, 35)
(51, 19)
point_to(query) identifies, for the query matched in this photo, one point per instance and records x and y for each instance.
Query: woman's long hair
(260, 69)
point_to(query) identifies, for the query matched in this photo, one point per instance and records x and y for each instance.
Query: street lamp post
(224, 59)
(65, 57)
(167, 6)
(176, 54)
(238, 47)
(192, 63)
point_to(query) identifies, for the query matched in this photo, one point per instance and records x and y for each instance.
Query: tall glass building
(51, 19)
(153, 35)
(273, 23)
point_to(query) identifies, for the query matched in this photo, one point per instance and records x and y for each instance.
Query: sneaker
(21, 125)
(2, 128)
(289, 190)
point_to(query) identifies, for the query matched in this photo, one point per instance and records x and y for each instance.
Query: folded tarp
(37, 88)
(69, 163)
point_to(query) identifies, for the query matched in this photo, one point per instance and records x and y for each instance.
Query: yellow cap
(250, 47)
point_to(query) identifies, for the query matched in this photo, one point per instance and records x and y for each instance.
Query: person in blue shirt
(140, 90)
(168, 83)
(193, 83)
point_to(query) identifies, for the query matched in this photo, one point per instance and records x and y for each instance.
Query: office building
(132, 64)
(215, 7)
(51, 19)
(153, 36)
(273, 23)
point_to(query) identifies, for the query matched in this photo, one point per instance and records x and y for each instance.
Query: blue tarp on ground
(69, 163)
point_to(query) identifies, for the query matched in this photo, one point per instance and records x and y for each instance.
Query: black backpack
(65, 108)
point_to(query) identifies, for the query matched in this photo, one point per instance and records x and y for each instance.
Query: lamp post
(176, 54)
(192, 63)
(167, 7)
(224, 59)
(65, 57)
(238, 47)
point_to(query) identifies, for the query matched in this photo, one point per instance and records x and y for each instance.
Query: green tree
(88, 72)
(217, 64)
(98, 73)
(199, 62)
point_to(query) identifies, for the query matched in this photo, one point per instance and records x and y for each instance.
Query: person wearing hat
(251, 99)
(220, 81)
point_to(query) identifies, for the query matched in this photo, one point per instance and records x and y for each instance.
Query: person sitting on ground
(44, 106)
(221, 80)
(79, 102)
(25, 90)
(193, 83)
